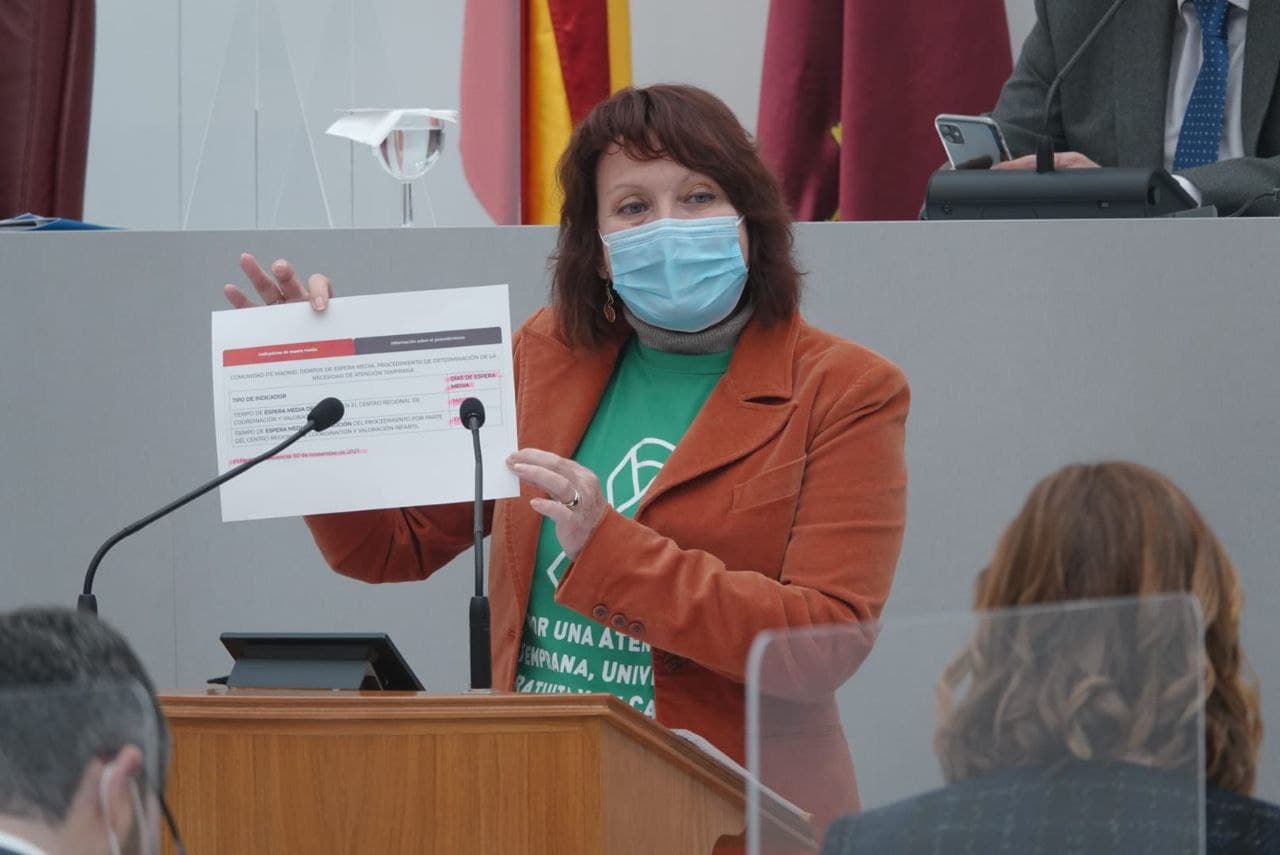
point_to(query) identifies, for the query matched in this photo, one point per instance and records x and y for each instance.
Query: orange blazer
(782, 507)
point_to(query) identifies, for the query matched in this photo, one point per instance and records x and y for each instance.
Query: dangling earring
(610, 314)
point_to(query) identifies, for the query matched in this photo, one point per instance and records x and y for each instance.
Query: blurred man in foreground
(82, 743)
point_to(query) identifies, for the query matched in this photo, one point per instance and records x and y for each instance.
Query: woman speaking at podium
(700, 463)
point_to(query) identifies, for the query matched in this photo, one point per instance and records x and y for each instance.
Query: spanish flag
(532, 69)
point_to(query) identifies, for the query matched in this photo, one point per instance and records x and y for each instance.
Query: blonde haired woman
(1089, 532)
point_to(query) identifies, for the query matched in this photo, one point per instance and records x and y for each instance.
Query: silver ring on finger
(573, 503)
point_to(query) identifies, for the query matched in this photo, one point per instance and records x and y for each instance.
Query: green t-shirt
(650, 402)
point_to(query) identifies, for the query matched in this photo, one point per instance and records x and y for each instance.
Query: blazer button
(600, 612)
(618, 620)
(636, 628)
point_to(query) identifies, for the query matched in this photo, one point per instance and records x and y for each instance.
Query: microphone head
(326, 414)
(471, 409)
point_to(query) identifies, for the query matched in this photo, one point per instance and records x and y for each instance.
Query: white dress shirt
(17, 844)
(1185, 67)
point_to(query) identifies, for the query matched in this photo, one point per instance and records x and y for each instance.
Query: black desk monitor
(305, 660)
(1020, 194)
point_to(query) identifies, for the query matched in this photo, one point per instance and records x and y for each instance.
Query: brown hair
(697, 130)
(1093, 532)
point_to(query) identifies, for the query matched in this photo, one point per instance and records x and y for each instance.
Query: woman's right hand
(281, 285)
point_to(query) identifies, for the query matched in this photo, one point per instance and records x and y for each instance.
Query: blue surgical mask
(682, 275)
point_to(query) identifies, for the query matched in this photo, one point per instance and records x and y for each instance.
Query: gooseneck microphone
(323, 416)
(1044, 143)
(472, 415)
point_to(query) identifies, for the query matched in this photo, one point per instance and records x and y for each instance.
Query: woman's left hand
(576, 504)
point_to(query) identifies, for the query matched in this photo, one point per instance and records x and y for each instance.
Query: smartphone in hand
(971, 142)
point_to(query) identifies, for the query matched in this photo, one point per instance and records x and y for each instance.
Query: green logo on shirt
(625, 486)
(651, 395)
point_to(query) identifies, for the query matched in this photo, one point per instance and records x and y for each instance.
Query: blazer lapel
(1261, 63)
(1142, 45)
(563, 385)
(747, 408)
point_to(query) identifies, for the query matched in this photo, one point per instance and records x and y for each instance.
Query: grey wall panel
(718, 45)
(1031, 345)
(1028, 345)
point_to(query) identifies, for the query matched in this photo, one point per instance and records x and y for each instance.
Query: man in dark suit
(1185, 84)
(82, 742)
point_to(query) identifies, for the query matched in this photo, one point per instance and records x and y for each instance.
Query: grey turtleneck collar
(714, 339)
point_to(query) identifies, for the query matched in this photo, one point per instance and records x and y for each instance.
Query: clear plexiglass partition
(261, 80)
(1072, 727)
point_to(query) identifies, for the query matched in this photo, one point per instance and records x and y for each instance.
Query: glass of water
(411, 148)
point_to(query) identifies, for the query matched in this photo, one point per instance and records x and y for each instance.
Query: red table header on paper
(288, 352)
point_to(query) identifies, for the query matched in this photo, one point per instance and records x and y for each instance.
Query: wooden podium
(257, 771)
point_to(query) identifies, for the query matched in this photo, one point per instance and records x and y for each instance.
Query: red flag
(489, 115)
(850, 89)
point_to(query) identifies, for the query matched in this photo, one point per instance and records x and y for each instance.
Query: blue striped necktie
(1201, 133)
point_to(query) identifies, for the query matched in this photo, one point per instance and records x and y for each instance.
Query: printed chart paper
(401, 364)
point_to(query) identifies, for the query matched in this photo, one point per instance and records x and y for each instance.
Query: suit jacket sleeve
(1020, 110)
(1232, 183)
(837, 566)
